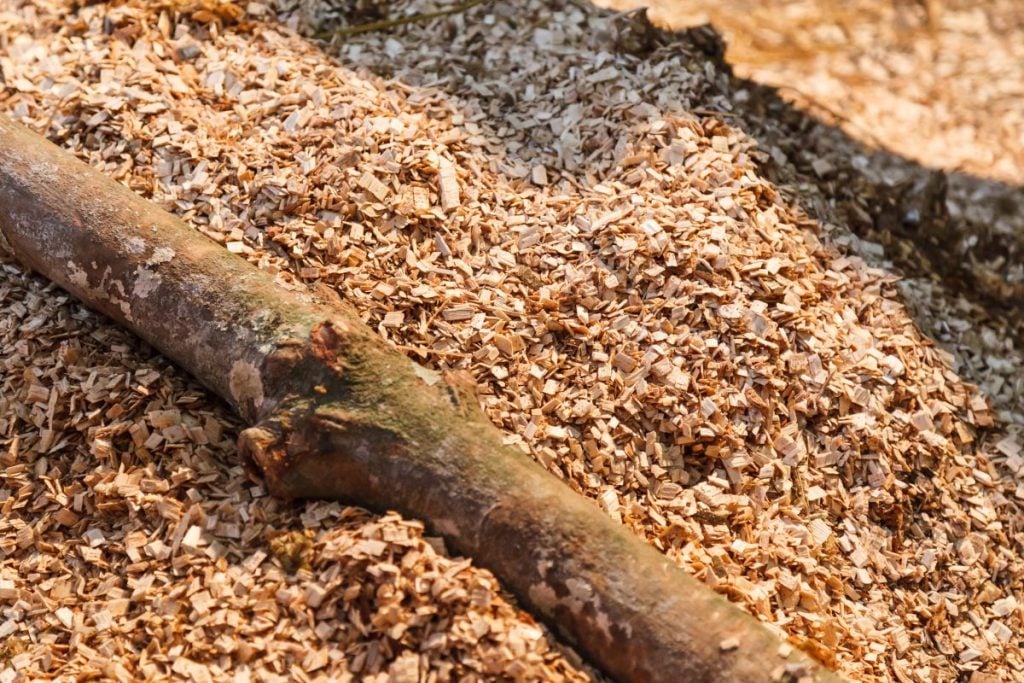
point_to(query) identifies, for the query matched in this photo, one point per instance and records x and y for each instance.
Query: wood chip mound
(923, 106)
(544, 195)
(134, 547)
(933, 80)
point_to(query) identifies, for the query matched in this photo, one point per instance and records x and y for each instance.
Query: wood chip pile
(908, 88)
(937, 81)
(535, 193)
(134, 547)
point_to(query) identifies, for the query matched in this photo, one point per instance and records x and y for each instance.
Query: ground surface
(662, 297)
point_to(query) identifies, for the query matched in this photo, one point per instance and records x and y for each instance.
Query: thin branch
(837, 115)
(401, 21)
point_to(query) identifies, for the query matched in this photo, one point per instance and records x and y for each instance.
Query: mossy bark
(337, 414)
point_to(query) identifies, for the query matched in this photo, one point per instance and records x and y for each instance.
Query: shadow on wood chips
(820, 167)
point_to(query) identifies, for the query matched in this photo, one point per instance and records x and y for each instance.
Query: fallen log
(337, 414)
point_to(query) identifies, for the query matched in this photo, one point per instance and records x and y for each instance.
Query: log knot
(246, 386)
(262, 446)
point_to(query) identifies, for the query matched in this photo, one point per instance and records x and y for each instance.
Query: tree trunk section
(337, 414)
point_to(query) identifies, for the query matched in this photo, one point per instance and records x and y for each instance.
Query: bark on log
(337, 414)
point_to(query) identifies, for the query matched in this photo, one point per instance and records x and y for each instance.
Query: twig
(715, 112)
(53, 114)
(401, 21)
(430, 352)
(839, 116)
